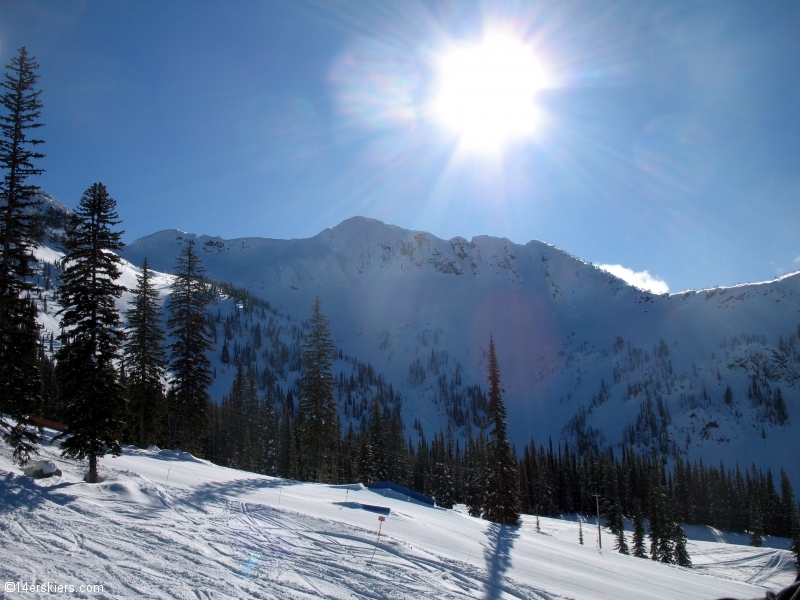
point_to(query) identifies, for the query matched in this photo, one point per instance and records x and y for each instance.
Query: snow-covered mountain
(584, 356)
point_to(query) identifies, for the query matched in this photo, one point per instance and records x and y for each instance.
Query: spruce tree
(366, 460)
(318, 413)
(787, 507)
(188, 399)
(285, 437)
(476, 476)
(612, 509)
(255, 435)
(681, 554)
(638, 531)
(441, 475)
(94, 401)
(377, 440)
(145, 361)
(656, 510)
(756, 524)
(668, 537)
(502, 494)
(19, 226)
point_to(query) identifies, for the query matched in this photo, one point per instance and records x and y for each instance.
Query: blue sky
(670, 138)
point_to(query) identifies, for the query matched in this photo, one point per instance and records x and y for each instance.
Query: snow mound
(182, 456)
(42, 468)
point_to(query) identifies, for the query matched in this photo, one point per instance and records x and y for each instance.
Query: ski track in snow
(212, 532)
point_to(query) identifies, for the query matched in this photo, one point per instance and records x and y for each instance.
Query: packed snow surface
(164, 524)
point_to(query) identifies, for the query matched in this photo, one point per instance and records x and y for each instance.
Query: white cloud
(641, 279)
(797, 260)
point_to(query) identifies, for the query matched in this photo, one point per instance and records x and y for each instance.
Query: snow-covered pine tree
(19, 366)
(145, 361)
(317, 412)
(188, 399)
(502, 494)
(638, 531)
(93, 396)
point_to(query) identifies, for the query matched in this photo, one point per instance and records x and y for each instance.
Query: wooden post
(599, 537)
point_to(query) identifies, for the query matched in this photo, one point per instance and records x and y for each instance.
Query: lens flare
(487, 92)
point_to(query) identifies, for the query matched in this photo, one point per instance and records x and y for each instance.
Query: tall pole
(599, 538)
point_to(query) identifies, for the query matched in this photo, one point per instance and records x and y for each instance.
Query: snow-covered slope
(583, 355)
(163, 524)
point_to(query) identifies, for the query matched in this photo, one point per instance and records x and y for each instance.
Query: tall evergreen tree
(377, 440)
(681, 554)
(19, 373)
(145, 361)
(659, 532)
(756, 524)
(441, 474)
(787, 507)
(93, 396)
(318, 412)
(188, 399)
(285, 443)
(502, 494)
(638, 531)
(366, 460)
(612, 509)
(475, 474)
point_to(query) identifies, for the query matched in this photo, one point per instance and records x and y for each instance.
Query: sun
(486, 92)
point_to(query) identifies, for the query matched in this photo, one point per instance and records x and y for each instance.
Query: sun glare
(486, 92)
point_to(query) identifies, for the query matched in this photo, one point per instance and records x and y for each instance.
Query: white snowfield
(163, 524)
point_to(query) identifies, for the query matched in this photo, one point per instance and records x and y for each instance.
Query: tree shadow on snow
(213, 490)
(22, 493)
(497, 555)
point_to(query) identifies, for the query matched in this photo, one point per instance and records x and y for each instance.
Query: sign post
(380, 524)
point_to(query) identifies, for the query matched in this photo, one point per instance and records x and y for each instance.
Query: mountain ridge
(585, 358)
(421, 310)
